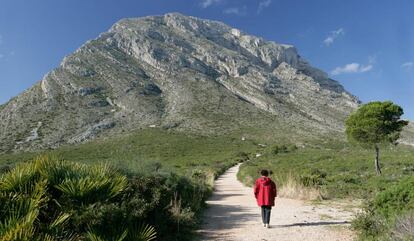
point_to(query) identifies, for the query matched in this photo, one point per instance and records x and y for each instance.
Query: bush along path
(50, 199)
(232, 214)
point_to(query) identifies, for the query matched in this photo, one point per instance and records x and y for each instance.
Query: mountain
(407, 136)
(175, 72)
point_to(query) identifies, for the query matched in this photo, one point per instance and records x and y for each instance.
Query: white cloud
(408, 65)
(352, 68)
(372, 59)
(263, 4)
(236, 11)
(333, 36)
(208, 3)
(365, 68)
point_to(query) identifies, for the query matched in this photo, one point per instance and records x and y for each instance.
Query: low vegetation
(390, 214)
(52, 199)
(152, 150)
(337, 170)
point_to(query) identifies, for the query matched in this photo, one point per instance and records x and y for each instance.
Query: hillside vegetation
(150, 150)
(337, 171)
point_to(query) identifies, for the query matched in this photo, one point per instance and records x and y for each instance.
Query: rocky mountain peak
(174, 71)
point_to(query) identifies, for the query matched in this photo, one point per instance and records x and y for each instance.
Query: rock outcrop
(174, 71)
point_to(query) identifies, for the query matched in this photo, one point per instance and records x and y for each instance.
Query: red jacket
(265, 191)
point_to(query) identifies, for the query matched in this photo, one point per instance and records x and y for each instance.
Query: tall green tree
(374, 124)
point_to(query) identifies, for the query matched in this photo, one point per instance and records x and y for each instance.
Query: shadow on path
(228, 216)
(220, 197)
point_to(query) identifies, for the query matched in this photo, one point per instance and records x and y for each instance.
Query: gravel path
(232, 214)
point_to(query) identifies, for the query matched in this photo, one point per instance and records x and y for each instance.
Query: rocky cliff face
(407, 136)
(174, 71)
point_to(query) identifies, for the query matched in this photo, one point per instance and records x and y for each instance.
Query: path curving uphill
(233, 215)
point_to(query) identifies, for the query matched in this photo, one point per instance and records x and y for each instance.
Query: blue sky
(367, 45)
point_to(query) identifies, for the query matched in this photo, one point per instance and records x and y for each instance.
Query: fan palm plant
(21, 212)
(143, 232)
(40, 199)
(89, 189)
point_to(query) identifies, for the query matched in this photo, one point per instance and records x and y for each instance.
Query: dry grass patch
(295, 190)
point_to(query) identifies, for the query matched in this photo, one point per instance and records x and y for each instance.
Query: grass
(338, 170)
(297, 190)
(335, 169)
(152, 150)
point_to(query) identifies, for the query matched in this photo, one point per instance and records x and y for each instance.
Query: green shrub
(314, 178)
(381, 214)
(243, 156)
(284, 148)
(395, 199)
(369, 225)
(51, 199)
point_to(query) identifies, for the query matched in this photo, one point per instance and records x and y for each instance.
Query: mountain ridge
(176, 72)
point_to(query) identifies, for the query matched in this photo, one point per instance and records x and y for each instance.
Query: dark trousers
(266, 214)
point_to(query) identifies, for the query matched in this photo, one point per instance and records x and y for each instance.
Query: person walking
(265, 192)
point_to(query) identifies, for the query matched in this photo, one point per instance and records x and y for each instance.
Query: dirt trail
(232, 214)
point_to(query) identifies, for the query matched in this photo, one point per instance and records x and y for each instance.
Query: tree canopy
(375, 123)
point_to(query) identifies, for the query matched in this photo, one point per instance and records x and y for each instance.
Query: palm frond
(61, 220)
(91, 236)
(20, 179)
(17, 226)
(20, 232)
(144, 232)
